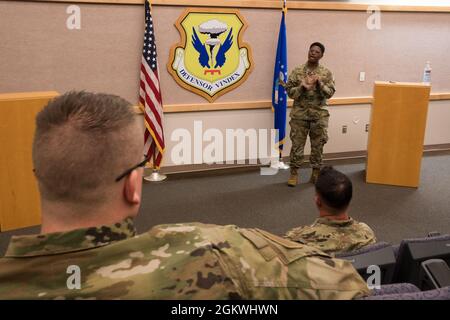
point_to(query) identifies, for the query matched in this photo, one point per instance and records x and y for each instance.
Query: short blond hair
(82, 142)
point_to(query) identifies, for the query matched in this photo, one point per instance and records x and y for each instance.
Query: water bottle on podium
(427, 73)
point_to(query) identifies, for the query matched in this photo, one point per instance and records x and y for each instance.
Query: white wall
(438, 123)
(355, 117)
(39, 53)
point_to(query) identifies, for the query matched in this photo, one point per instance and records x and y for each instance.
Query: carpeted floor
(248, 199)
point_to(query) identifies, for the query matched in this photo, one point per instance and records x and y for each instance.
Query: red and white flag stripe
(150, 95)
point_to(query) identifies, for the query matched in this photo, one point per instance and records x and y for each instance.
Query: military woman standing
(310, 85)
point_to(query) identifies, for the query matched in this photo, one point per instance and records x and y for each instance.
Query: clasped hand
(310, 81)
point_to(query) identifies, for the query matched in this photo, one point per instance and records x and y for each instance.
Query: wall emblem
(211, 58)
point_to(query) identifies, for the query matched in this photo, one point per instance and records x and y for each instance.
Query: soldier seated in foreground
(335, 231)
(88, 248)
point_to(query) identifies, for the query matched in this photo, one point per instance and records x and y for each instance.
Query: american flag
(150, 95)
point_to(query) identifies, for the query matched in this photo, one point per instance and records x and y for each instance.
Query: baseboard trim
(437, 147)
(236, 167)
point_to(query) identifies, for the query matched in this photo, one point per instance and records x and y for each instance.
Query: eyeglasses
(127, 172)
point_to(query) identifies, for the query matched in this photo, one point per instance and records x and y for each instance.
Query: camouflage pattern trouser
(317, 130)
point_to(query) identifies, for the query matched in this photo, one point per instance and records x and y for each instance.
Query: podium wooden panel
(397, 131)
(19, 197)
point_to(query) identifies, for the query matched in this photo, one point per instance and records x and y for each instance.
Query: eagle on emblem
(214, 29)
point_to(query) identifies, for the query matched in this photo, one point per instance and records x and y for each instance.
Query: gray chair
(412, 252)
(436, 294)
(429, 235)
(435, 273)
(395, 288)
(380, 254)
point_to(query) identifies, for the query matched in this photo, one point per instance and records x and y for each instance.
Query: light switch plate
(362, 76)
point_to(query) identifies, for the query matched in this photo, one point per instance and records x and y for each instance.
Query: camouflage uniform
(334, 236)
(178, 261)
(308, 115)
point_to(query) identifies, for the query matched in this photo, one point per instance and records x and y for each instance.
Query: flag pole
(153, 111)
(280, 164)
(155, 176)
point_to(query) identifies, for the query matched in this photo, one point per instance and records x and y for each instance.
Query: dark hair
(82, 140)
(318, 44)
(334, 188)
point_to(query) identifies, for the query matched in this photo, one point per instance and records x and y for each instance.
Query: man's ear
(317, 201)
(133, 187)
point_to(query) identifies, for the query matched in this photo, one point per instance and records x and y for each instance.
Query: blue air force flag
(279, 97)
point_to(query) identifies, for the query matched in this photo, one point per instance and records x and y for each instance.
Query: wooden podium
(397, 131)
(19, 197)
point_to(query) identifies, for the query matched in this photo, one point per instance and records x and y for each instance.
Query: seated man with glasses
(89, 249)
